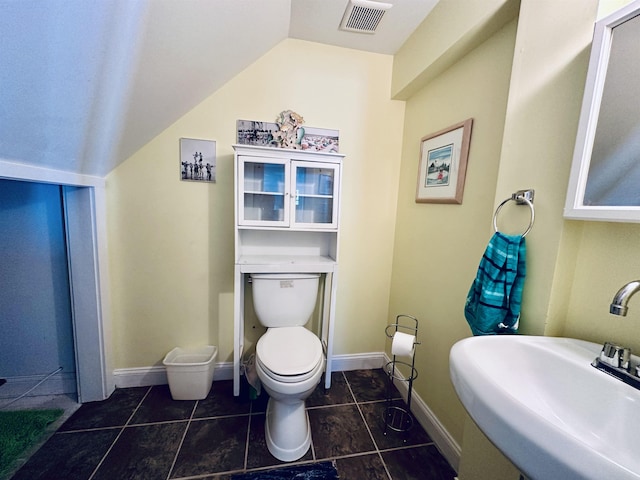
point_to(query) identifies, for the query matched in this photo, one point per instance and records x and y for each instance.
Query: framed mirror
(605, 174)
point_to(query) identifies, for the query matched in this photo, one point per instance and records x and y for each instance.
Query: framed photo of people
(197, 160)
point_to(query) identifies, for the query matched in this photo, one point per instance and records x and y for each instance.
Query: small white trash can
(190, 371)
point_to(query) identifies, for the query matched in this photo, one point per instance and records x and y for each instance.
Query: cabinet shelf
(286, 264)
(310, 195)
(249, 192)
(298, 228)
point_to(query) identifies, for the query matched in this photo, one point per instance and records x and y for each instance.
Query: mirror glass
(614, 171)
(605, 176)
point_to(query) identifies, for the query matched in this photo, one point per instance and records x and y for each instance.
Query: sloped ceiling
(85, 84)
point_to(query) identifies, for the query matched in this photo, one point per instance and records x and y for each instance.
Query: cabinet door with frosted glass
(263, 191)
(314, 195)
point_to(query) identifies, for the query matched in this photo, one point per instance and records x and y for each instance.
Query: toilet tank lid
(283, 276)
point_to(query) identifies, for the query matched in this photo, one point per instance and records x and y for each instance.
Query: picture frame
(442, 166)
(197, 160)
(250, 132)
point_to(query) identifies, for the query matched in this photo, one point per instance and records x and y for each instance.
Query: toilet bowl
(287, 429)
(289, 359)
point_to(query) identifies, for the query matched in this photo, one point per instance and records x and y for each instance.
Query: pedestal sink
(539, 400)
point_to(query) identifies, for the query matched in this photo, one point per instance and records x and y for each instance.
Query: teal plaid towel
(493, 302)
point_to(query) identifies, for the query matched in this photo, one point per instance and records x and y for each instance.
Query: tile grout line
(82, 430)
(317, 407)
(375, 444)
(264, 468)
(313, 448)
(246, 444)
(135, 410)
(95, 470)
(184, 435)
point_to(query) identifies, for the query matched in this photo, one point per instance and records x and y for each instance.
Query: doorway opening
(82, 218)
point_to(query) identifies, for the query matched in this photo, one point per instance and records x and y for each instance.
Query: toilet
(289, 358)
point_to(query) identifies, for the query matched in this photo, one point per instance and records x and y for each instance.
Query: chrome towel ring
(521, 197)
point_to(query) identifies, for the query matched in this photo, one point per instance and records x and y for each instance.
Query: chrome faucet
(617, 360)
(619, 304)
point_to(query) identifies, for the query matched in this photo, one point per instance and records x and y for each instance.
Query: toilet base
(287, 430)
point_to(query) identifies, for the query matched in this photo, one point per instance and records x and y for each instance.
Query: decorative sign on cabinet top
(288, 132)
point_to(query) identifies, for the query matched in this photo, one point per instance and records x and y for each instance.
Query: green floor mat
(19, 431)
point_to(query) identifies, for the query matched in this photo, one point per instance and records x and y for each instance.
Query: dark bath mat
(314, 471)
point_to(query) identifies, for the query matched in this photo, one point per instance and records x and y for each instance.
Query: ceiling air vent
(363, 16)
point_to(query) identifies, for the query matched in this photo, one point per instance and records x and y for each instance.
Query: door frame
(84, 201)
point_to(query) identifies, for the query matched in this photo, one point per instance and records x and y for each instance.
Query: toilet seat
(289, 379)
(289, 354)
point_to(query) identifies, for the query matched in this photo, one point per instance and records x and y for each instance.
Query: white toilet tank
(284, 299)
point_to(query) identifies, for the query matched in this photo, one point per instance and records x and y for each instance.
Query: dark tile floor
(141, 433)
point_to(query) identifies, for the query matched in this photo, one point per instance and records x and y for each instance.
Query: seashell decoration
(290, 131)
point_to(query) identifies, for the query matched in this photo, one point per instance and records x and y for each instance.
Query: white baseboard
(140, 377)
(157, 375)
(358, 361)
(425, 416)
(147, 376)
(58, 384)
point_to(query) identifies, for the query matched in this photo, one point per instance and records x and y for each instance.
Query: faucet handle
(624, 357)
(615, 355)
(609, 354)
(608, 350)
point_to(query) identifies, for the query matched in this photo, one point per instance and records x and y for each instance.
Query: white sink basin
(539, 400)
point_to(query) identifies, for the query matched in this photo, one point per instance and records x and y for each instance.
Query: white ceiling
(85, 84)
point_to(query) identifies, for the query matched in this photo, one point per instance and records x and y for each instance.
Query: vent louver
(363, 16)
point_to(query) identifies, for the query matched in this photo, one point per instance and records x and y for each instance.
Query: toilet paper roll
(403, 344)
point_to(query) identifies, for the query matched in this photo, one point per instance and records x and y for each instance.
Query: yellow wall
(608, 256)
(438, 246)
(451, 30)
(545, 96)
(171, 242)
(481, 460)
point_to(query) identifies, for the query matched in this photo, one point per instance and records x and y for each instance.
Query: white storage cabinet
(279, 192)
(287, 208)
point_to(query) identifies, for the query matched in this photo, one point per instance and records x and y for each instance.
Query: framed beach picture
(443, 164)
(197, 160)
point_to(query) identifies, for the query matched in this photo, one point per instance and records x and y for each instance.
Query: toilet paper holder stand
(399, 418)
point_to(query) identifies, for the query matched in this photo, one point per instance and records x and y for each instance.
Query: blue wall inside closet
(36, 332)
